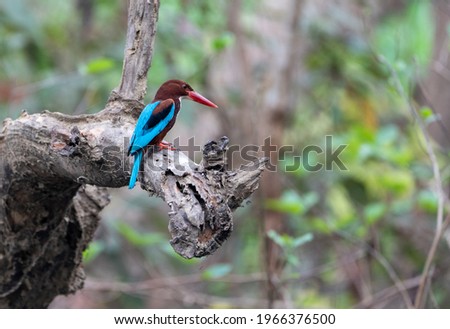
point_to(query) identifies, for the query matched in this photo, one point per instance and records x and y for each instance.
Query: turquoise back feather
(141, 136)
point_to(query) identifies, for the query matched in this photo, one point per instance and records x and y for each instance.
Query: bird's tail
(136, 166)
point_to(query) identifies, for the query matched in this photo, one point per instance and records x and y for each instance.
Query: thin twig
(429, 262)
(393, 275)
(385, 264)
(191, 279)
(387, 294)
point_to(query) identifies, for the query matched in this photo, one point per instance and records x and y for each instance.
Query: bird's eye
(184, 86)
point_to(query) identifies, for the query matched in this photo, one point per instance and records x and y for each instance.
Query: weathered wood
(142, 18)
(55, 169)
(201, 197)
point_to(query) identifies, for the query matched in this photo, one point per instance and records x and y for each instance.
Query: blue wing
(152, 121)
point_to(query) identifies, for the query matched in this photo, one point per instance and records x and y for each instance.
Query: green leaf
(428, 201)
(285, 206)
(216, 271)
(320, 225)
(341, 206)
(426, 112)
(288, 242)
(292, 259)
(222, 42)
(428, 115)
(373, 212)
(387, 135)
(399, 182)
(404, 37)
(292, 203)
(98, 65)
(277, 238)
(366, 151)
(301, 240)
(93, 250)
(137, 238)
(310, 199)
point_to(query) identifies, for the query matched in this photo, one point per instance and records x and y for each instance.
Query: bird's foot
(167, 146)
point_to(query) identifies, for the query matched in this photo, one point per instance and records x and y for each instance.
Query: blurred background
(367, 73)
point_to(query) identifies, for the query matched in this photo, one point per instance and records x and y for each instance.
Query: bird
(157, 118)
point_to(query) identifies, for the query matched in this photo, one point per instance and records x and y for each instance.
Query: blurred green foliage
(52, 57)
(289, 245)
(388, 182)
(49, 60)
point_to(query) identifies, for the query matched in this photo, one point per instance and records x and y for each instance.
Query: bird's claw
(166, 146)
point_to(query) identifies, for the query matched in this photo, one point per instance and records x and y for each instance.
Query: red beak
(196, 97)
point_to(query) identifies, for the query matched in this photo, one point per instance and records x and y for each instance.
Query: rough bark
(54, 171)
(141, 31)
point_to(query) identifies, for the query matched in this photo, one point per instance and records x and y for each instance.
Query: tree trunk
(55, 168)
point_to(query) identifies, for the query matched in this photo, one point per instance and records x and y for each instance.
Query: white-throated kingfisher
(157, 118)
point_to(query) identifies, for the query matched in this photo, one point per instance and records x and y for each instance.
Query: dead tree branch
(55, 168)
